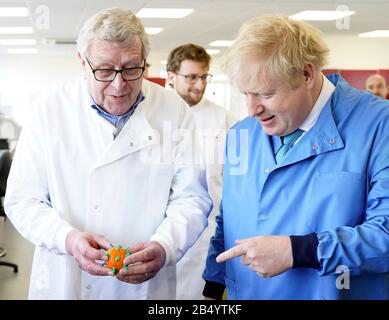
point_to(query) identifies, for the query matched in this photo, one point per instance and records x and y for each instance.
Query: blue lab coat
(334, 182)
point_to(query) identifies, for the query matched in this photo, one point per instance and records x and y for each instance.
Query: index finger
(234, 252)
(135, 258)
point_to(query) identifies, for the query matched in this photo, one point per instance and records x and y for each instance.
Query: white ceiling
(211, 19)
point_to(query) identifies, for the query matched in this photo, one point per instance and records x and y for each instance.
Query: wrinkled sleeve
(27, 199)
(363, 248)
(189, 203)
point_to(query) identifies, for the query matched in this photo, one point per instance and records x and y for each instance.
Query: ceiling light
(17, 42)
(212, 51)
(221, 43)
(163, 13)
(321, 15)
(153, 30)
(375, 34)
(23, 51)
(13, 12)
(16, 30)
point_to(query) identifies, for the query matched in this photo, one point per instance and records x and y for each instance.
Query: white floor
(15, 285)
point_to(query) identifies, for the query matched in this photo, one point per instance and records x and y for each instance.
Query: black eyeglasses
(108, 75)
(192, 78)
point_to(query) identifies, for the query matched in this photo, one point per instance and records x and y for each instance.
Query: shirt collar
(326, 91)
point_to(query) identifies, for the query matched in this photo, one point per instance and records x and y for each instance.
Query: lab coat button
(150, 138)
(88, 286)
(267, 170)
(315, 146)
(96, 206)
(332, 141)
(131, 144)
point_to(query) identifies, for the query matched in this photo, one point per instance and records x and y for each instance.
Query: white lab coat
(212, 123)
(68, 172)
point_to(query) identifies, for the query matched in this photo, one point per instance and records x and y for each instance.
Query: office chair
(5, 165)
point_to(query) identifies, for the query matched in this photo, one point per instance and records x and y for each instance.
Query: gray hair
(114, 24)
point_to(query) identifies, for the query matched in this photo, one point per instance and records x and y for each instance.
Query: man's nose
(253, 104)
(200, 84)
(118, 83)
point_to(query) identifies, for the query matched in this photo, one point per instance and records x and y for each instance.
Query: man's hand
(86, 247)
(268, 256)
(145, 261)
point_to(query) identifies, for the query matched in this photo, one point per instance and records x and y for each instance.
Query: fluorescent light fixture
(212, 51)
(17, 42)
(321, 15)
(23, 51)
(375, 34)
(153, 30)
(164, 62)
(16, 30)
(13, 12)
(163, 13)
(221, 43)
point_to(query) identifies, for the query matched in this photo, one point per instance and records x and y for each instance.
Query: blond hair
(280, 46)
(114, 24)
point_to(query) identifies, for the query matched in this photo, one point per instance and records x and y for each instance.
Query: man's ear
(82, 61)
(80, 58)
(171, 78)
(310, 74)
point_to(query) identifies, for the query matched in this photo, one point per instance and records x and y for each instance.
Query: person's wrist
(162, 249)
(70, 240)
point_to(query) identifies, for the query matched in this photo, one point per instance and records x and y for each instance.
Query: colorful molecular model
(116, 256)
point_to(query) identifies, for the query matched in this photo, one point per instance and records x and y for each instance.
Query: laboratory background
(38, 50)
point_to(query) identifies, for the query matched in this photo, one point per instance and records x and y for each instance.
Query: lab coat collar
(137, 134)
(323, 137)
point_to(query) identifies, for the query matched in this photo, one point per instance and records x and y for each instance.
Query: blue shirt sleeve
(215, 272)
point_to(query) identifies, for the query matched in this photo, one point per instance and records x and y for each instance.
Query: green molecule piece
(127, 249)
(127, 254)
(117, 259)
(125, 267)
(114, 270)
(107, 254)
(118, 247)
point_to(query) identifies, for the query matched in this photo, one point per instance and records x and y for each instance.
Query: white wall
(352, 52)
(23, 76)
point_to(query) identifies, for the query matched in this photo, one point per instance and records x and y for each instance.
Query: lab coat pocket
(231, 289)
(339, 197)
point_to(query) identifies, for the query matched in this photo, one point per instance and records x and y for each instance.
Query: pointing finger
(234, 252)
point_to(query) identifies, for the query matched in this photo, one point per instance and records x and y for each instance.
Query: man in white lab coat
(108, 158)
(188, 67)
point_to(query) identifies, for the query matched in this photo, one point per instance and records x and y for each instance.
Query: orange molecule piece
(116, 256)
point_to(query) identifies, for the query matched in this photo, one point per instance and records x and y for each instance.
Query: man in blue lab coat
(305, 202)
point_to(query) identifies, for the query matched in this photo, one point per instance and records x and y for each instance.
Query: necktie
(287, 144)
